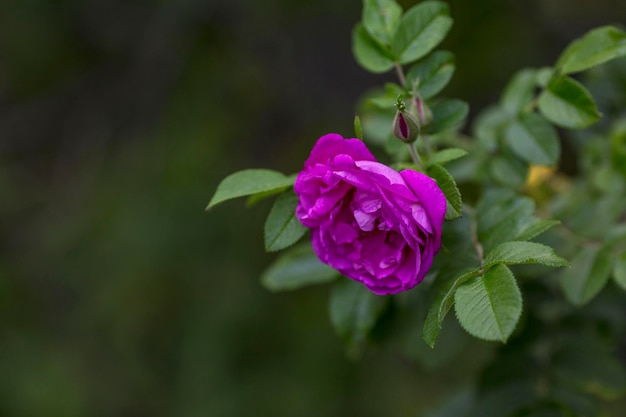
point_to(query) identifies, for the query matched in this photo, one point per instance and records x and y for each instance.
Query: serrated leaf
(447, 114)
(421, 29)
(490, 305)
(295, 268)
(432, 74)
(590, 271)
(508, 170)
(368, 53)
(534, 140)
(442, 304)
(249, 182)
(381, 19)
(446, 155)
(446, 182)
(513, 253)
(567, 103)
(354, 311)
(282, 227)
(619, 270)
(520, 91)
(597, 46)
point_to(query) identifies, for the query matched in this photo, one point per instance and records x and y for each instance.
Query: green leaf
(446, 155)
(514, 223)
(388, 98)
(296, 268)
(248, 182)
(445, 181)
(508, 170)
(381, 19)
(430, 76)
(421, 29)
(590, 271)
(490, 125)
(490, 305)
(567, 103)
(513, 253)
(535, 227)
(619, 270)
(442, 303)
(447, 114)
(544, 75)
(597, 46)
(282, 228)
(354, 311)
(369, 53)
(520, 91)
(534, 140)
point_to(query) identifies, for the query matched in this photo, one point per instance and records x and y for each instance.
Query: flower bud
(405, 127)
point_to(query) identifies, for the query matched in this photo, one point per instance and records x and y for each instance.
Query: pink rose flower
(373, 224)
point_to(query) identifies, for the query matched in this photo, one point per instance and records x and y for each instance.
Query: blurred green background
(119, 295)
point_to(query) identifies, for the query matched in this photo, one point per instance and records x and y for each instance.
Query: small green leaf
(447, 114)
(358, 130)
(282, 228)
(296, 268)
(354, 311)
(490, 305)
(567, 103)
(508, 170)
(442, 304)
(369, 53)
(597, 46)
(421, 29)
(381, 19)
(534, 140)
(445, 181)
(590, 271)
(520, 91)
(432, 74)
(512, 253)
(446, 155)
(619, 270)
(248, 182)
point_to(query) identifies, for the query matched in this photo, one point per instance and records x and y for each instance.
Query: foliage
(506, 205)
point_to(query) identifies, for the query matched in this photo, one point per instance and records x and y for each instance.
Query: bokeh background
(119, 295)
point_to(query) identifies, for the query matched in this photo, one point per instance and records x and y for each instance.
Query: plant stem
(474, 234)
(415, 156)
(400, 73)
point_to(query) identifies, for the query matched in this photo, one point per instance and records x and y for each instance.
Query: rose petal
(332, 144)
(430, 197)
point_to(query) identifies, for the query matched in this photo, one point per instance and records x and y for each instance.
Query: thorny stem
(400, 73)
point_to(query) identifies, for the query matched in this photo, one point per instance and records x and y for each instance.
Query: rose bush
(373, 224)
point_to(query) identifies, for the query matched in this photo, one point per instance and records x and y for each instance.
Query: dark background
(119, 295)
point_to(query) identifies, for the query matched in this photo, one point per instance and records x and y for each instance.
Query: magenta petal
(333, 144)
(430, 196)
